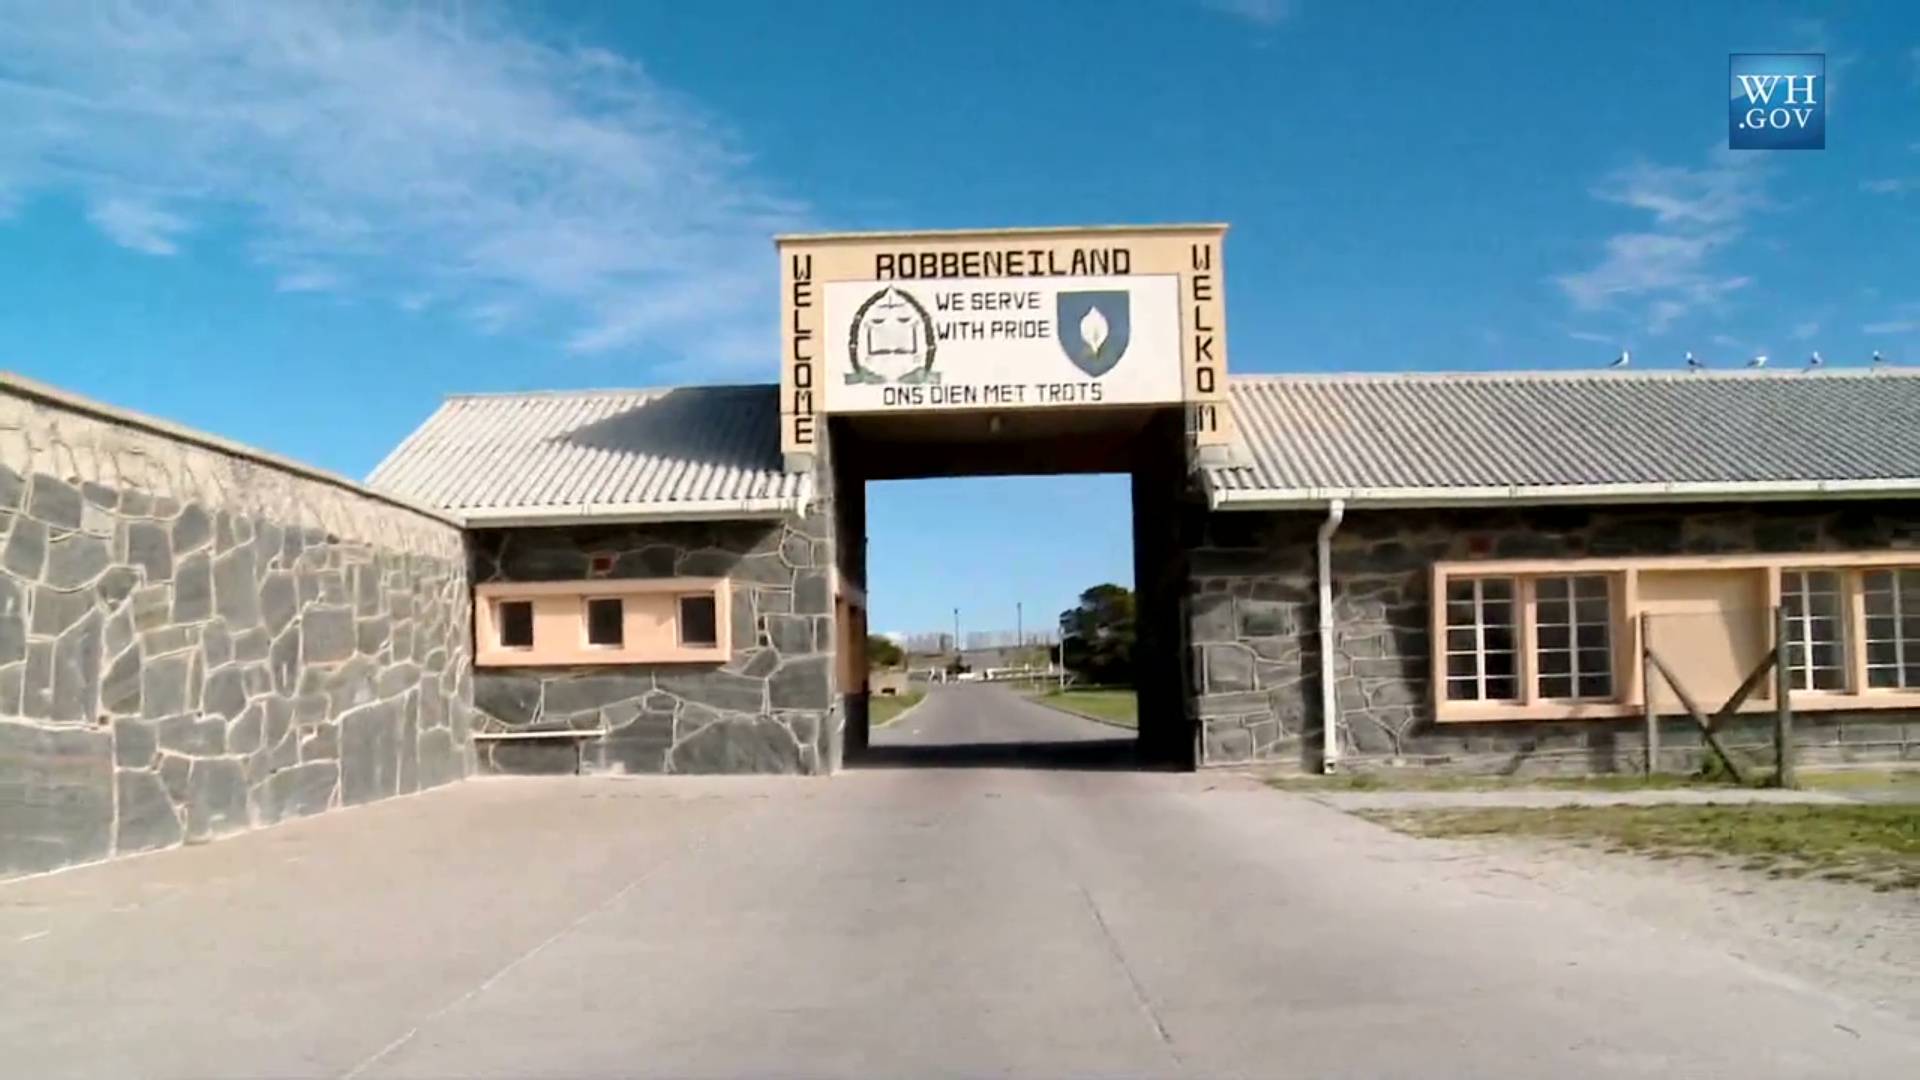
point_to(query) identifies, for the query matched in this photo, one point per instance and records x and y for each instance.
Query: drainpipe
(1329, 728)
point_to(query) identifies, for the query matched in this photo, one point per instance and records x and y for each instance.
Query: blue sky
(299, 225)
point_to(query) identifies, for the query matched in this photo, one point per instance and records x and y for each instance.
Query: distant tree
(884, 652)
(1096, 638)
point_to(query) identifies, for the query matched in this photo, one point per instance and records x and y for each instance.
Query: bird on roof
(1758, 361)
(1878, 360)
(1816, 361)
(1693, 364)
(1625, 358)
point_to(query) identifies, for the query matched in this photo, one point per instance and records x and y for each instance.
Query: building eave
(1230, 498)
(771, 509)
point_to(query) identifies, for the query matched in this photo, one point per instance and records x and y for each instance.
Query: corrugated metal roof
(707, 451)
(1303, 439)
(1563, 436)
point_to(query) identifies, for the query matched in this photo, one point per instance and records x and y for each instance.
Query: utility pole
(956, 635)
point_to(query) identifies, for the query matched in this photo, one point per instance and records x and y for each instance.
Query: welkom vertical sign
(1012, 319)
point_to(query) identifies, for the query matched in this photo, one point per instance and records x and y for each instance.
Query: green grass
(884, 709)
(1427, 780)
(1876, 845)
(1117, 707)
(1903, 781)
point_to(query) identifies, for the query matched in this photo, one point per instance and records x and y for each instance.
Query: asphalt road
(974, 919)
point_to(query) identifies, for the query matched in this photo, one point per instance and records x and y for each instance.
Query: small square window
(699, 621)
(606, 622)
(514, 619)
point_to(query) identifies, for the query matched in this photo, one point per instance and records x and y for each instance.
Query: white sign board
(995, 343)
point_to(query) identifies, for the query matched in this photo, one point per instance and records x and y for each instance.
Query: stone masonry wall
(195, 640)
(1252, 610)
(769, 709)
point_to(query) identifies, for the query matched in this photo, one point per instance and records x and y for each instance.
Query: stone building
(1551, 510)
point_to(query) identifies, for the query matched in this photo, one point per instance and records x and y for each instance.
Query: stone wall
(769, 709)
(1252, 611)
(196, 639)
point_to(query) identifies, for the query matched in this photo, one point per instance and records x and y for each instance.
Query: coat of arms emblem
(1095, 327)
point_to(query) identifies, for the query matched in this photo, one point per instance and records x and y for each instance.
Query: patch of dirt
(1841, 937)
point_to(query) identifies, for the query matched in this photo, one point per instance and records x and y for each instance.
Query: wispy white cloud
(1588, 335)
(309, 280)
(493, 316)
(404, 151)
(137, 224)
(1666, 271)
(1892, 326)
(1263, 12)
(1804, 331)
(1891, 185)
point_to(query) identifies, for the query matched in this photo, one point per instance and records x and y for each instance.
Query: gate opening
(980, 721)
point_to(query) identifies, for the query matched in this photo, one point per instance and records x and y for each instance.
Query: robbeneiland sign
(1015, 319)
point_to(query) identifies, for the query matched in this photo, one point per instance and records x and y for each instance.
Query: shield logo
(1095, 327)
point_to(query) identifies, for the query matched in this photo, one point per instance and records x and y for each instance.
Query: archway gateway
(1037, 351)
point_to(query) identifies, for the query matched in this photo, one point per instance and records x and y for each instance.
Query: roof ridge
(1574, 375)
(604, 391)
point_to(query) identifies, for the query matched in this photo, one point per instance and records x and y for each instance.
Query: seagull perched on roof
(1622, 360)
(1693, 364)
(1758, 361)
(1878, 360)
(1816, 361)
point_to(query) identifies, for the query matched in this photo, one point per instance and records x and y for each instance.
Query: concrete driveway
(981, 918)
